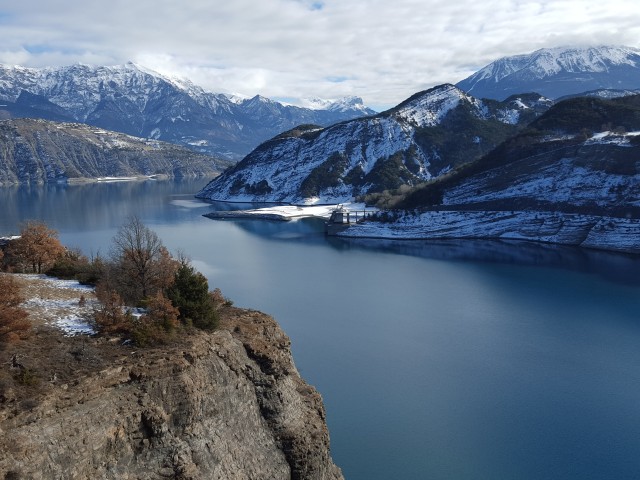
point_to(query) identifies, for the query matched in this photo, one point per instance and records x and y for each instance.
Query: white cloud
(380, 50)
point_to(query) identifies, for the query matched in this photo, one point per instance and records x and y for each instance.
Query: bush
(73, 265)
(112, 317)
(190, 294)
(37, 247)
(14, 324)
(27, 377)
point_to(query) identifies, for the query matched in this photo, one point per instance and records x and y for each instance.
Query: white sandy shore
(288, 212)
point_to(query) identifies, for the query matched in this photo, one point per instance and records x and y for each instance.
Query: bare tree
(38, 246)
(142, 265)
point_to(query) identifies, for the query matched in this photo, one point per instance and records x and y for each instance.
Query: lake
(448, 360)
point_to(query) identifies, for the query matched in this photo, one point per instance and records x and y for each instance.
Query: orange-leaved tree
(13, 319)
(38, 246)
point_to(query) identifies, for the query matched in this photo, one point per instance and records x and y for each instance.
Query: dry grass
(53, 302)
(52, 359)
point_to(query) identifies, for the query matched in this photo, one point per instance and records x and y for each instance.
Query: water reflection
(613, 266)
(94, 206)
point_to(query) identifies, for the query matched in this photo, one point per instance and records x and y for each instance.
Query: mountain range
(427, 135)
(423, 137)
(571, 177)
(134, 100)
(557, 72)
(319, 153)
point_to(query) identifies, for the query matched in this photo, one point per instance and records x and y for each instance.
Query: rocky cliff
(225, 405)
(40, 151)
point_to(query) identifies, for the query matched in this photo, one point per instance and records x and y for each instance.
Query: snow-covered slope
(557, 72)
(600, 174)
(421, 138)
(345, 104)
(135, 100)
(557, 182)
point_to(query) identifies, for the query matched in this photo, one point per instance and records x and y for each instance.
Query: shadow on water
(613, 266)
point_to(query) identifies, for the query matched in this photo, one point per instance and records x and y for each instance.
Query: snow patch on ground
(295, 212)
(64, 304)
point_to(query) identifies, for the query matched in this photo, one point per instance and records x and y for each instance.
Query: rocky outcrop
(225, 405)
(40, 151)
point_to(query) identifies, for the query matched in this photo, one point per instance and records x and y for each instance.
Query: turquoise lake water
(449, 360)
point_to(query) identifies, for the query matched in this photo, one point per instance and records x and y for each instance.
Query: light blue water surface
(455, 360)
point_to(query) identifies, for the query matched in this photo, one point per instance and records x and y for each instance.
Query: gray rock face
(229, 405)
(39, 151)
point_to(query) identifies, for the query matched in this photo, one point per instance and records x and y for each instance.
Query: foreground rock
(226, 405)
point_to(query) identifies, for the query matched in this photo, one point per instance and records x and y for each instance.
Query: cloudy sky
(380, 50)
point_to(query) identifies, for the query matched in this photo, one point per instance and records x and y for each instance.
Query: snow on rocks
(608, 233)
(286, 212)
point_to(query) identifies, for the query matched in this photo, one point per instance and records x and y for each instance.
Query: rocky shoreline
(589, 231)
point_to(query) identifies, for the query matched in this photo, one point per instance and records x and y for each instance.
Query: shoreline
(587, 231)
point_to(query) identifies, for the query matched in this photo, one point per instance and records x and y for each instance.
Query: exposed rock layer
(39, 151)
(227, 405)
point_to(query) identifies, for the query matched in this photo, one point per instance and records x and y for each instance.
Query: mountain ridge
(571, 177)
(422, 137)
(138, 101)
(40, 151)
(557, 72)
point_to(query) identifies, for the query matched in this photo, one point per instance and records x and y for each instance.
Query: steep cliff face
(226, 405)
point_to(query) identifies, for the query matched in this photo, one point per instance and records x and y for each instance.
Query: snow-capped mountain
(570, 178)
(137, 101)
(557, 72)
(345, 104)
(581, 156)
(423, 137)
(40, 151)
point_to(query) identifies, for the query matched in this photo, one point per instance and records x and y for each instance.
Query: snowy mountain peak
(559, 71)
(337, 105)
(402, 146)
(428, 108)
(133, 99)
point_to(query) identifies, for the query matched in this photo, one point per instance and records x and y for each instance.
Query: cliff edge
(224, 405)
